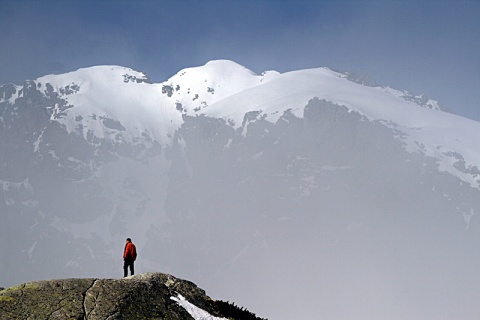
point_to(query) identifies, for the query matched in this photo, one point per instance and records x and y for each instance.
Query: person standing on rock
(129, 256)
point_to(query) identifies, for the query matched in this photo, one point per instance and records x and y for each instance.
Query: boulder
(150, 295)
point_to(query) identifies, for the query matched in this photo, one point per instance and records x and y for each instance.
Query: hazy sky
(430, 47)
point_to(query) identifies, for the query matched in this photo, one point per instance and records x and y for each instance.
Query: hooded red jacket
(130, 252)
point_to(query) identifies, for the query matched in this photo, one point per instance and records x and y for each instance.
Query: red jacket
(130, 252)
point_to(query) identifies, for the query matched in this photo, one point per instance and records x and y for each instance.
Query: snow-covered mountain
(306, 194)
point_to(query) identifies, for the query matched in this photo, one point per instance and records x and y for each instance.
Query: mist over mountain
(304, 195)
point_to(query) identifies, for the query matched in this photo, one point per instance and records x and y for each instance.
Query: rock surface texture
(145, 296)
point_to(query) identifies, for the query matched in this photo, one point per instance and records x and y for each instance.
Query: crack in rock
(85, 312)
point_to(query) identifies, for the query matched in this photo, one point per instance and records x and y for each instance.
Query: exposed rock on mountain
(146, 296)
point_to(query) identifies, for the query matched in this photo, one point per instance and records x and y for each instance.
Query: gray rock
(136, 297)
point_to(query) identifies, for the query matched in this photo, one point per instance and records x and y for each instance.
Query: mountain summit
(361, 198)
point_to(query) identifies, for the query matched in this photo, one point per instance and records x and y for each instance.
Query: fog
(325, 216)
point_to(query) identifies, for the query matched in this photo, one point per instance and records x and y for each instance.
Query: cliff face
(152, 296)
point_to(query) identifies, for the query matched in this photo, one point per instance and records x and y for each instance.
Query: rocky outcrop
(151, 296)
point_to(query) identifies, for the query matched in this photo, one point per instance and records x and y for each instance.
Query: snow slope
(106, 92)
(430, 131)
(196, 312)
(225, 89)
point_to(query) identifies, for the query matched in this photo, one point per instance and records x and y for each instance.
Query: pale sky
(430, 47)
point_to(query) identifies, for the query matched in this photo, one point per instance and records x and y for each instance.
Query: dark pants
(128, 263)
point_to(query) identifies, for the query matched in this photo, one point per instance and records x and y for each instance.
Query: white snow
(194, 311)
(199, 87)
(438, 131)
(227, 90)
(104, 94)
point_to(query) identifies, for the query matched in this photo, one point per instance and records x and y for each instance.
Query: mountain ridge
(164, 104)
(367, 195)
